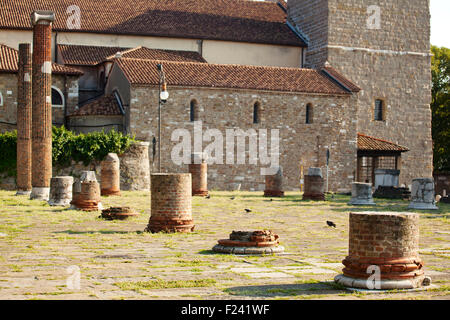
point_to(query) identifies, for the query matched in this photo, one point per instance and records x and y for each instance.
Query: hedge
(67, 146)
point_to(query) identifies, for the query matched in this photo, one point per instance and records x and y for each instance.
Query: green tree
(440, 106)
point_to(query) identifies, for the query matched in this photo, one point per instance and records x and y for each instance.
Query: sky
(440, 23)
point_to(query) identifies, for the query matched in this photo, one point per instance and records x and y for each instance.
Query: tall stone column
(24, 106)
(42, 104)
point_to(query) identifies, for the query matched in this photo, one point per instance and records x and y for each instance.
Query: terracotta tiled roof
(9, 62)
(104, 106)
(229, 20)
(93, 55)
(368, 143)
(191, 74)
(341, 79)
(86, 55)
(154, 54)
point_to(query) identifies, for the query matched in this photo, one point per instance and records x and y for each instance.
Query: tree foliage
(440, 105)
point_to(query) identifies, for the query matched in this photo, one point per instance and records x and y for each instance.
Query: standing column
(42, 104)
(24, 105)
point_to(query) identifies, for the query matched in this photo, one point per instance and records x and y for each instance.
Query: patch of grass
(163, 284)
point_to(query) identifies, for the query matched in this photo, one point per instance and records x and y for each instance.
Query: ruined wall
(134, 172)
(300, 143)
(391, 63)
(8, 89)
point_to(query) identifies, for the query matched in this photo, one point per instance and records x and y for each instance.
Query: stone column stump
(135, 168)
(199, 171)
(110, 183)
(86, 193)
(274, 184)
(422, 194)
(361, 194)
(384, 244)
(314, 185)
(60, 191)
(171, 203)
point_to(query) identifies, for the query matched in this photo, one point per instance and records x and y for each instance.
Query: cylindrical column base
(314, 185)
(199, 173)
(383, 252)
(361, 194)
(40, 194)
(110, 184)
(23, 193)
(171, 203)
(60, 191)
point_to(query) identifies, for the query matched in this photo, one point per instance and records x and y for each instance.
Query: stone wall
(8, 89)
(134, 170)
(304, 144)
(391, 63)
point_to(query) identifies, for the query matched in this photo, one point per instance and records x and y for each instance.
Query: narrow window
(379, 110)
(256, 113)
(1, 100)
(57, 98)
(309, 113)
(194, 111)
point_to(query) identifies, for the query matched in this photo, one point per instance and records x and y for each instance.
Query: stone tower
(384, 47)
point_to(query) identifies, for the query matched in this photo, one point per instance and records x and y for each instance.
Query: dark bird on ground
(248, 210)
(271, 199)
(232, 198)
(208, 196)
(331, 224)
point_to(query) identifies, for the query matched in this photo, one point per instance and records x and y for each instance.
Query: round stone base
(314, 197)
(199, 193)
(40, 194)
(108, 192)
(422, 206)
(248, 250)
(23, 193)
(382, 284)
(60, 203)
(273, 193)
(359, 202)
(170, 226)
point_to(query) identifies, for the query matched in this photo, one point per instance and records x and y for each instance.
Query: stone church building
(349, 76)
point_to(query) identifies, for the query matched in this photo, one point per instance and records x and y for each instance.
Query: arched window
(257, 113)
(309, 113)
(194, 111)
(57, 98)
(1, 100)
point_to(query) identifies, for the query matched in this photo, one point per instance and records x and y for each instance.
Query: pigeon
(248, 210)
(331, 224)
(271, 199)
(208, 196)
(232, 198)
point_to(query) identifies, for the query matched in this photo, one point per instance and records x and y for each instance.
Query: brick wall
(391, 63)
(304, 144)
